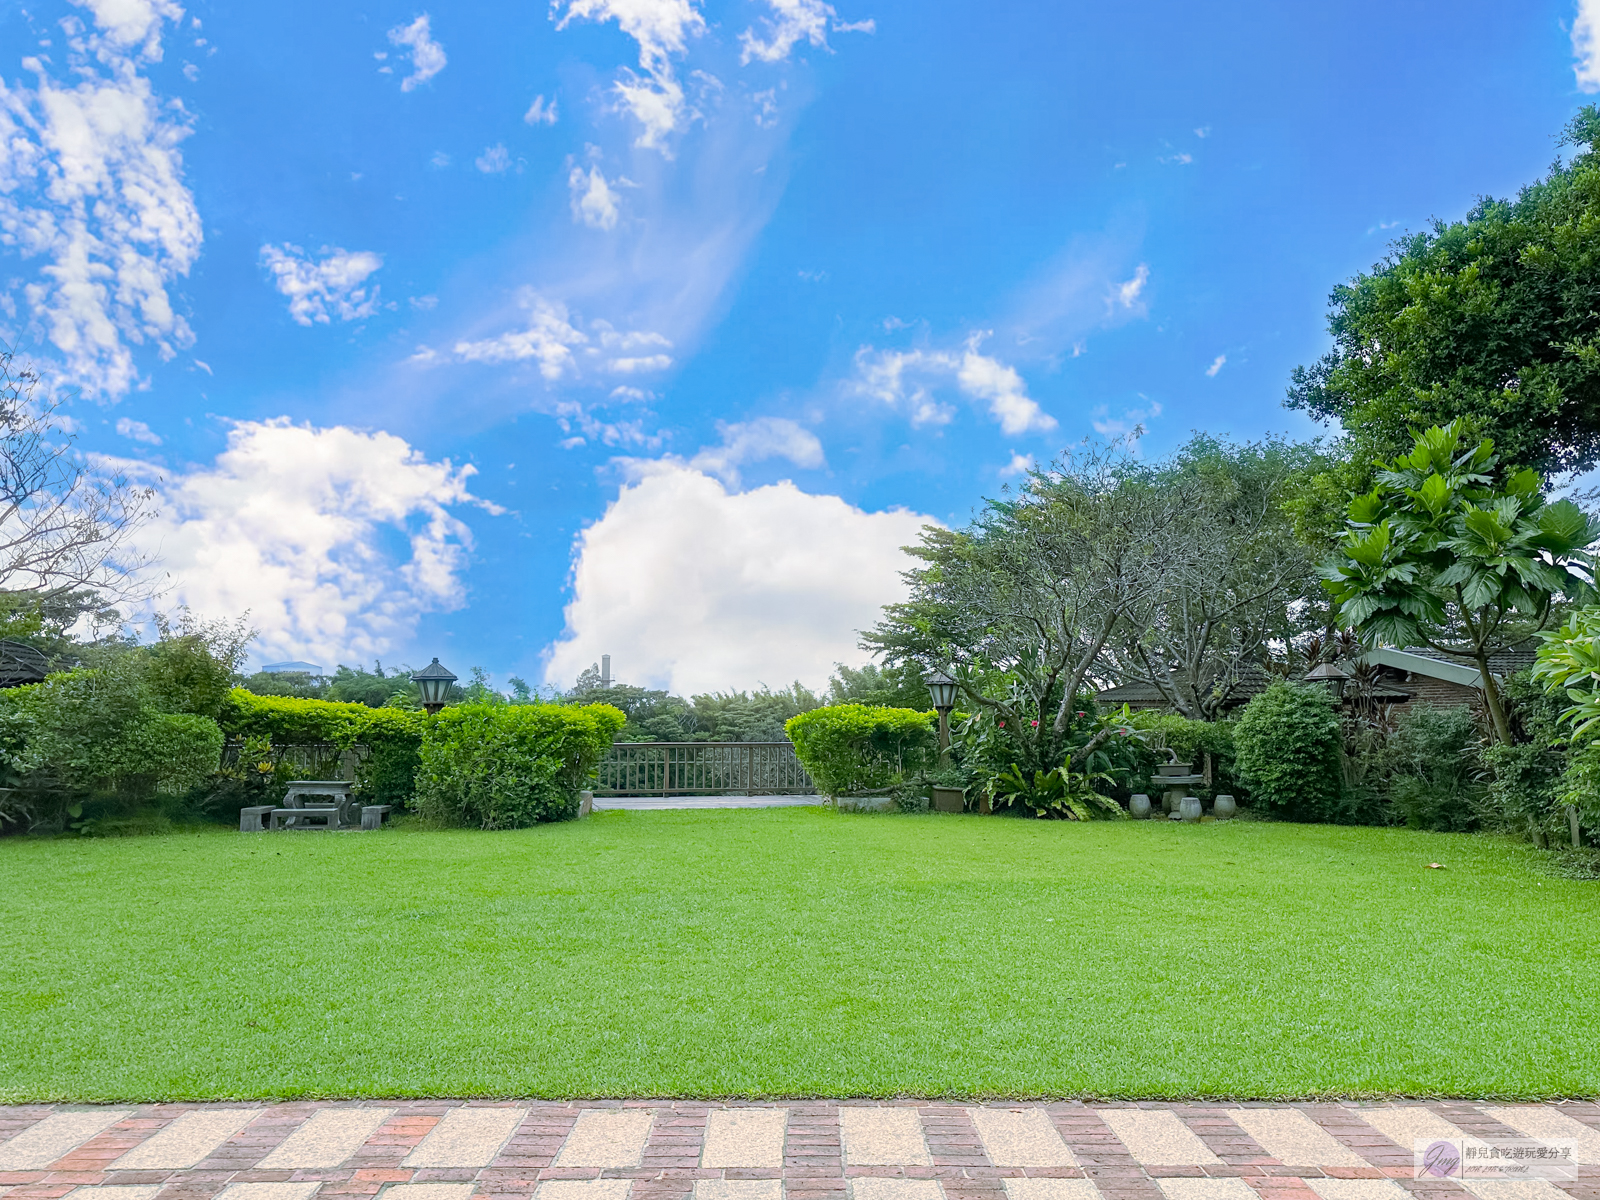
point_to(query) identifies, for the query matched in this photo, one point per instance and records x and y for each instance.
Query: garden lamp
(1332, 676)
(433, 681)
(943, 690)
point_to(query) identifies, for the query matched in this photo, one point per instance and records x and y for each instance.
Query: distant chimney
(605, 670)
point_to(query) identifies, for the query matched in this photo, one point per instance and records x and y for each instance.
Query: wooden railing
(703, 769)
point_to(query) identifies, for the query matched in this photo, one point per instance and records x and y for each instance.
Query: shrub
(1433, 765)
(1287, 752)
(392, 735)
(856, 748)
(1191, 741)
(502, 766)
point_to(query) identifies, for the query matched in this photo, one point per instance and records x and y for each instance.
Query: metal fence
(702, 769)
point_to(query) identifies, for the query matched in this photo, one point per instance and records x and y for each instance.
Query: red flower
(1083, 714)
(1035, 724)
(1002, 724)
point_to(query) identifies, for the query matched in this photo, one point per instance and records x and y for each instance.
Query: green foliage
(1287, 752)
(855, 748)
(1524, 787)
(191, 666)
(882, 687)
(1440, 554)
(1191, 741)
(1491, 318)
(392, 735)
(1434, 768)
(503, 766)
(1061, 793)
(1569, 661)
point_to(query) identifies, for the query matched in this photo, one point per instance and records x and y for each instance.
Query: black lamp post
(433, 681)
(943, 690)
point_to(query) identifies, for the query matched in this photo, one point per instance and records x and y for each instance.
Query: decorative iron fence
(703, 768)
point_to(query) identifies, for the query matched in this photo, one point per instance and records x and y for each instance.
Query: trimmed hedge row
(499, 766)
(858, 747)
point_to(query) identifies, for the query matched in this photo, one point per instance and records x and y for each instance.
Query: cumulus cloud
(91, 186)
(1020, 464)
(137, 431)
(1586, 45)
(661, 29)
(427, 56)
(321, 290)
(297, 525)
(594, 202)
(904, 379)
(541, 113)
(554, 340)
(1217, 364)
(693, 588)
(493, 161)
(792, 22)
(755, 441)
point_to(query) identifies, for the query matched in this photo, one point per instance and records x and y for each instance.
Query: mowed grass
(794, 952)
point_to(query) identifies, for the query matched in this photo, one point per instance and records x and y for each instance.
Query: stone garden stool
(250, 818)
(372, 815)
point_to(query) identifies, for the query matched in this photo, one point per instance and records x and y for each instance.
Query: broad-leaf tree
(1494, 318)
(1449, 553)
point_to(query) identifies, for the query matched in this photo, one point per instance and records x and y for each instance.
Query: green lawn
(794, 952)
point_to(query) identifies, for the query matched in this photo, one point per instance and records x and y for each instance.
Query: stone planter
(947, 799)
(585, 803)
(1189, 809)
(1224, 808)
(867, 803)
(1139, 806)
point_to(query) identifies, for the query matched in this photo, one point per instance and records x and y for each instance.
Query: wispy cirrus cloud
(553, 341)
(793, 22)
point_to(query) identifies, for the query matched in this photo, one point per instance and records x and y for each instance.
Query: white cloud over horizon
(1586, 45)
(92, 184)
(297, 525)
(427, 56)
(321, 290)
(694, 588)
(904, 380)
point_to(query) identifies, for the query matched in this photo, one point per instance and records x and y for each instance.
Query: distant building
(20, 663)
(292, 668)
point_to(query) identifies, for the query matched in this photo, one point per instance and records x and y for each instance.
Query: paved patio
(800, 1150)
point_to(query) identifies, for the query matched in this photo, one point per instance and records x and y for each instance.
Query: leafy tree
(1022, 604)
(192, 664)
(1492, 318)
(1236, 576)
(1447, 553)
(750, 716)
(882, 687)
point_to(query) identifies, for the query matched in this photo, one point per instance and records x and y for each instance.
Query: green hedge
(393, 735)
(501, 766)
(1287, 744)
(857, 747)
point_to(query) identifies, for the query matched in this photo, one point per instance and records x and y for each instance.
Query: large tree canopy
(1495, 318)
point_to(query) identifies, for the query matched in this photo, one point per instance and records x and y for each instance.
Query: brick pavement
(796, 1150)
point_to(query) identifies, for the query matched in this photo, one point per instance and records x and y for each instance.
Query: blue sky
(518, 334)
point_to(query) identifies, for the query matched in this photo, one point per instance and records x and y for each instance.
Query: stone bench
(250, 818)
(372, 815)
(296, 818)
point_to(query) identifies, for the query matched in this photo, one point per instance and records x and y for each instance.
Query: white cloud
(989, 379)
(692, 588)
(320, 291)
(755, 441)
(439, 161)
(427, 56)
(549, 339)
(1217, 364)
(296, 525)
(594, 203)
(494, 160)
(540, 113)
(1020, 464)
(555, 341)
(1127, 294)
(1586, 45)
(91, 183)
(1129, 427)
(662, 29)
(137, 431)
(903, 379)
(792, 22)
